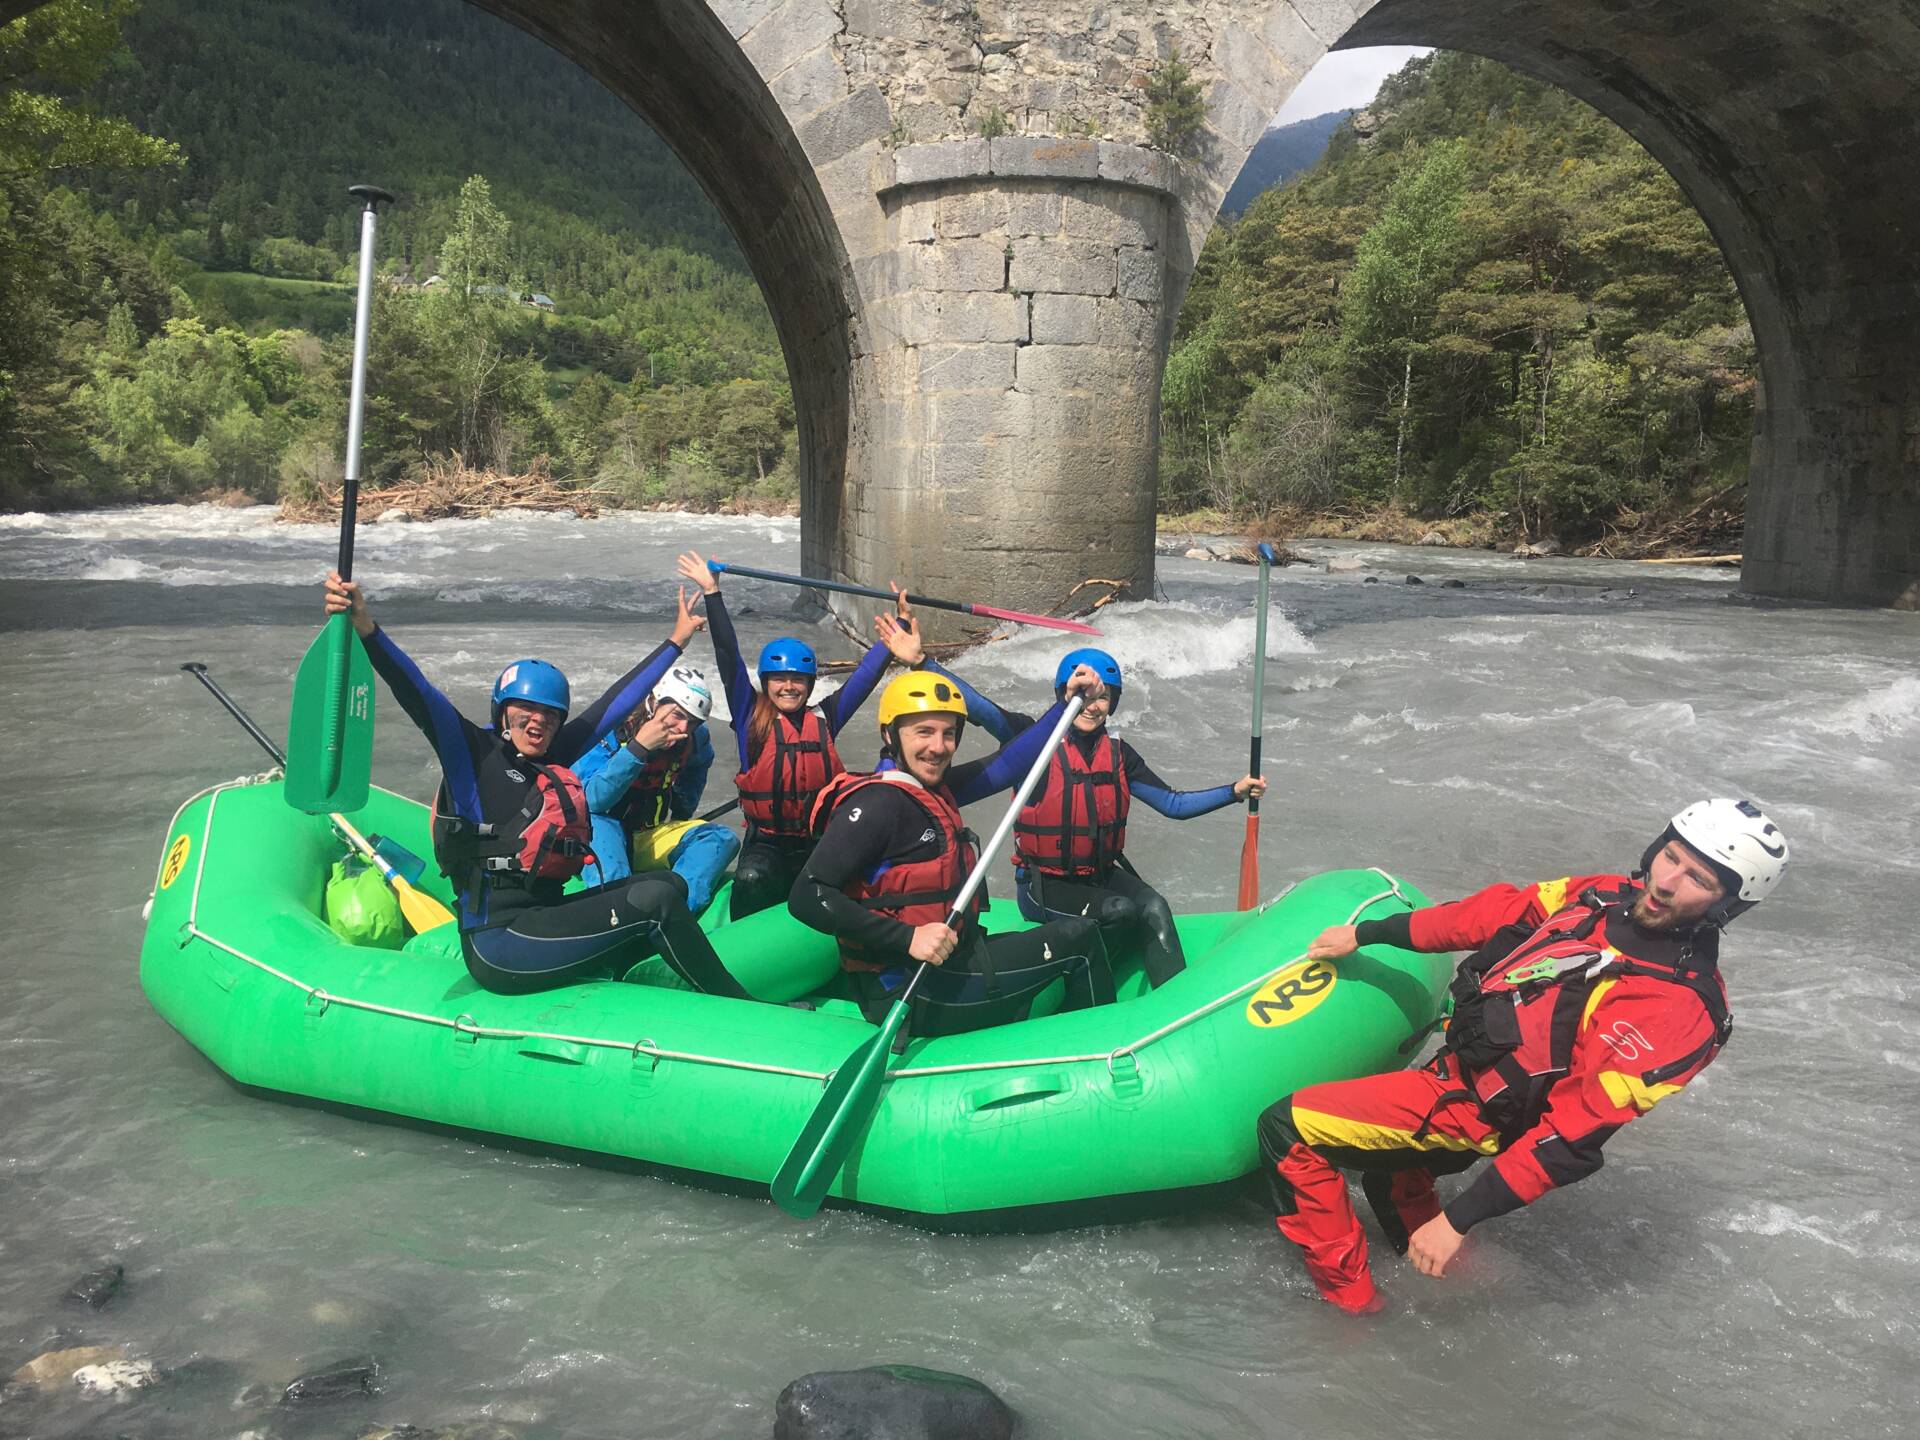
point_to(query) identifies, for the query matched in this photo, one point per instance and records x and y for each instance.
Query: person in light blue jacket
(644, 779)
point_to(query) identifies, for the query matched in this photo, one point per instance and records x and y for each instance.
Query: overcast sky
(1344, 80)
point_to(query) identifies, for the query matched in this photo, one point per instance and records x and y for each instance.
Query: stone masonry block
(1113, 216)
(788, 33)
(1235, 118)
(740, 16)
(956, 416)
(1290, 38)
(966, 367)
(1066, 319)
(961, 265)
(913, 218)
(958, 465)
(994, 317)
(1126, 322)
(881, 275)
(843, 127)
(1049, 419)
(947, 160)
(1043, 155)
(1034, 212)
(1244, 58)
(891, 20)
(1329, 19)
(1070, 369)
(863, 224)
(810, 84)
(971, 212)
(1069, 267)
(1134, 165)
(1141, 275)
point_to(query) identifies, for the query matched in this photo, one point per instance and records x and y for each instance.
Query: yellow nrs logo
(176, 860)
(1290, 994)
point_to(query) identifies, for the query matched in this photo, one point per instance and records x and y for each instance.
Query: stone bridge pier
(974, 261)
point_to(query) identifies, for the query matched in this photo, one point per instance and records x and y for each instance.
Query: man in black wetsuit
(894, 855)
(505, 833)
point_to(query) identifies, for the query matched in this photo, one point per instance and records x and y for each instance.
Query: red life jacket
(777, 792)
(1077, 822)
(648, 799)
(544, 832)
(1519, 999)
(914, 892)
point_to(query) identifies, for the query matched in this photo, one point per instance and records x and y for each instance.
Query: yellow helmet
(919, 692)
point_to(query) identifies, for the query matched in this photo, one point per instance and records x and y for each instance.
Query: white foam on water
(119, 567)
(1149, 639)
(1487, 637)
(1882, 714)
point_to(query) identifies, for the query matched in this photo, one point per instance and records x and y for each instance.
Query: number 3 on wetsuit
(1290, 994)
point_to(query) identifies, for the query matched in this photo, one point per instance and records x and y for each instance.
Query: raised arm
(588, 725)
(726, 652)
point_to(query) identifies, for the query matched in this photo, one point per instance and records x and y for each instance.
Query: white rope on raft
(465, 1025)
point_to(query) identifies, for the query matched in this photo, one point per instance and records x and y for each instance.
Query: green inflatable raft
(1156, 1093)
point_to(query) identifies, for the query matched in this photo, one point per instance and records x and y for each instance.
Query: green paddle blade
(330, 733)
(816, 1157)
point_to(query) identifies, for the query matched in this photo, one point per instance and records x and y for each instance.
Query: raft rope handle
(1218, 1002)
(641, 1047)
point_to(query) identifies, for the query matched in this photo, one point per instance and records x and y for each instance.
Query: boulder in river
(890, 1402)
(1345, 564)
(1198, 552)
(398, 515)
(96, 1287)
(1415, 580)
(1537, 549)
(55, 1369)
(342, 1380)
(1432, 537)
(115, 1377)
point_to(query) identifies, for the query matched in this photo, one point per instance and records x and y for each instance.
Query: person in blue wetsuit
(511, 823)
(644, 779)
(786, 743)
(1070, 838)
(894, 855)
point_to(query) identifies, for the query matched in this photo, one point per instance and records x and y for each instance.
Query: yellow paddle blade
(423, 912)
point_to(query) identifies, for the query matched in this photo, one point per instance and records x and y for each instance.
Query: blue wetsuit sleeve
(1005, 768)
(981, 711)
(852, 695)
(691, 783)
(1151, 790)
(581, 730)
(456, 740)
(733, 672)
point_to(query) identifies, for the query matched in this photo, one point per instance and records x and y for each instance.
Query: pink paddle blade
(1020, 617)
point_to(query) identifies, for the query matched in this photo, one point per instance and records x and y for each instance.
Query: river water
(1746, 1263)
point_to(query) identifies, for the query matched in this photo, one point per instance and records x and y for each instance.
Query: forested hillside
(1279, 155)
(180, 304)
(1498, 307)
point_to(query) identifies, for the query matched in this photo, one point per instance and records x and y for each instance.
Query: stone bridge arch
(975, 323)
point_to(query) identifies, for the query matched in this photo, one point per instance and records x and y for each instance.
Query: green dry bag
(361, 909)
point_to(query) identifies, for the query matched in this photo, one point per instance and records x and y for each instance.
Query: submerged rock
(96, 1287)
(55, 1369)
(1415, 580)
(342, 1380)
(114, 1377)
(1453, 584)
(890, 1402)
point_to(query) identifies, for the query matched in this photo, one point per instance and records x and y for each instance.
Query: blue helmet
(788, 656)
(536, 683)
(1099, 661)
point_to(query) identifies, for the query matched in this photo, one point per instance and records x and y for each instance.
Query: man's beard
(1667, 919)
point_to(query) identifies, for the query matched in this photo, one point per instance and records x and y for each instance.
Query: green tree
(1176, 114)
(474, 254)
(1401, 267)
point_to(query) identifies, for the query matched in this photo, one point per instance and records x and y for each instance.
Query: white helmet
(686, 687)
(1745, 849)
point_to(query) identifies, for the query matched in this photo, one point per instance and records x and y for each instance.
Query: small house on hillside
(539, 301)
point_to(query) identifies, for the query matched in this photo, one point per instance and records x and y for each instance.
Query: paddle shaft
(357, 399)
(260, 737)
(1250, 844)
(992, 848)
(806, 582)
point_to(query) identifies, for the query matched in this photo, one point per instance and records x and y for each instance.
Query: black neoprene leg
(763, 876)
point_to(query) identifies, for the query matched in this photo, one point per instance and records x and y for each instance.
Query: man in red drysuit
(1586, 1002)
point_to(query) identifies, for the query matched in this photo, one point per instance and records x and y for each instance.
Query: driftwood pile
(1709, 531)
(446, 487)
